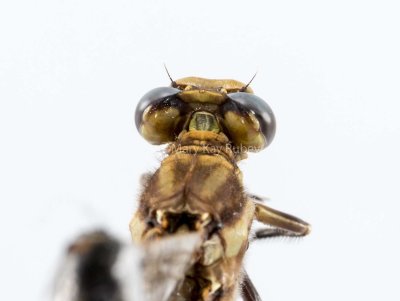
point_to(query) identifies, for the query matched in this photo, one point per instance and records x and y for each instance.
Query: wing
(97, 267)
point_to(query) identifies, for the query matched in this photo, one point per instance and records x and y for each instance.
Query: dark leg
(249, 292)
(274, 232)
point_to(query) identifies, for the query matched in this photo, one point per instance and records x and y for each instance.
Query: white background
(71, 73)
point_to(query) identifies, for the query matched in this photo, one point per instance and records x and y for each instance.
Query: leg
(273, 232)
(249, 292)
(282, 224)
(258, 198)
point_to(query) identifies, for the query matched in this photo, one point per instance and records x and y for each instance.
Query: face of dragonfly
(228, 107)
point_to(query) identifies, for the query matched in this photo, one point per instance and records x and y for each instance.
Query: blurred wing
(98, 267)
(163, 266)
(65, 288)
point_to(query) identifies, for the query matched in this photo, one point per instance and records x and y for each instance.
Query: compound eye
(249, 120)
(158, 114)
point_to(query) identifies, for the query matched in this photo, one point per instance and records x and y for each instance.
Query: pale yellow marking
(212, 251)
(216, 179)
(137, 228)
(236, 235)
(167, 183)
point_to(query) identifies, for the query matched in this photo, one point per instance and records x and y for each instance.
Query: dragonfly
(209, 125)
(194, 220)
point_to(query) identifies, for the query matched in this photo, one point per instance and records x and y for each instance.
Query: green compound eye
(158, 113)
(249, 120)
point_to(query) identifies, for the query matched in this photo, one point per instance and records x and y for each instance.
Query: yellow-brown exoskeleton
(209, 125)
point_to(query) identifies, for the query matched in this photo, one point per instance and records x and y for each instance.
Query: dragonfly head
(194, 103)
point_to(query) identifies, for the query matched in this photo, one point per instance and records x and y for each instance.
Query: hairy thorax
(198, 187)
(199, 176)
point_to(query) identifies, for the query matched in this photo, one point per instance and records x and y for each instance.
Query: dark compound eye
(249, 120)
(158, 113)
(153, 97)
